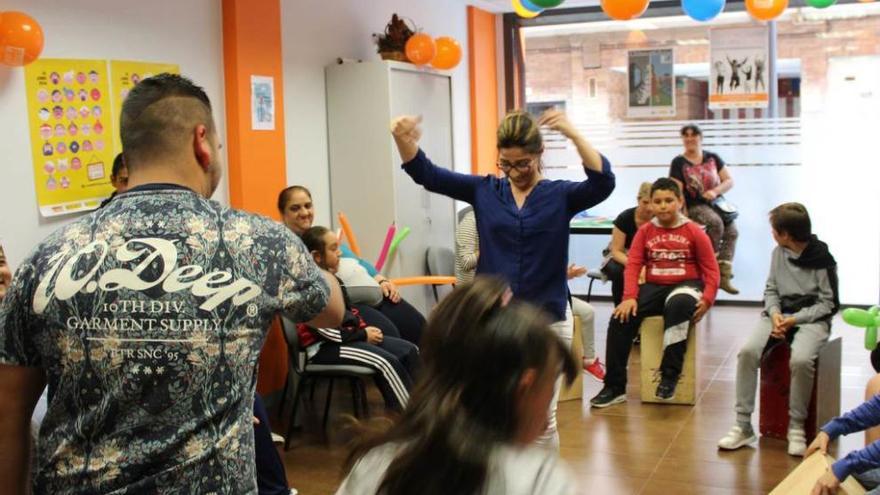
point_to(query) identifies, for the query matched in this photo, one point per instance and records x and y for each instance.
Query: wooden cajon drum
(804, 477)
(651, 355)
(576, 391)
(776, 384)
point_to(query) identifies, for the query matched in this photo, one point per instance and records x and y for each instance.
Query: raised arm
(600, 179)
(406, 132)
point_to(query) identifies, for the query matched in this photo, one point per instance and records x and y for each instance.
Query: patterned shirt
(697, 178)
(148, 317)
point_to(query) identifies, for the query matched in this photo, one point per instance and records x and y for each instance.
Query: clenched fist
(406, 132)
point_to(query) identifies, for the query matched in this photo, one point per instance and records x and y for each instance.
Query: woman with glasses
(703, 178)
(522, 218)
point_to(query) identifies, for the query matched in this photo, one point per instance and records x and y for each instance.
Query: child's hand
(776, 319)
(820, 443)
(827, 484)
(642, 275)
(700, 311)
(374, 335)
(625, 310)
(575, 271)
(777, 332)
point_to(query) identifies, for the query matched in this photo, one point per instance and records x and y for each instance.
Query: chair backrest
(440, 261)
(464, 211)
(291, 336)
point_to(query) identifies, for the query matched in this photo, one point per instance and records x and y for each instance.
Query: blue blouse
(527, 246)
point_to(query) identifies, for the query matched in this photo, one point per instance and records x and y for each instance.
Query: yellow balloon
(522, 11)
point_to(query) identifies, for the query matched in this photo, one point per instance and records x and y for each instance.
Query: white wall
(156, 30)
(314, 34)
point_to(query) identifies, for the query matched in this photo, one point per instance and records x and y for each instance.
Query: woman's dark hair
(666, 184)
(464, 403)
(792, 219)
(314, 238)
(693, 129)
(284, 196)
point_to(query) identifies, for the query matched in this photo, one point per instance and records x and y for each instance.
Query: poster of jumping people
(651, 83)
(738, 68)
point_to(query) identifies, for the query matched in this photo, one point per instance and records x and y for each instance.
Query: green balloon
(820, 4)
(869, 320)
(860, 318)
(547, 4)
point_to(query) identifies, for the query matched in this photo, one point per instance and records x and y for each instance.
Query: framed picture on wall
(651, 83)
(738, 68)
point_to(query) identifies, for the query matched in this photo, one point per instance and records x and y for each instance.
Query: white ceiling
(505, 6)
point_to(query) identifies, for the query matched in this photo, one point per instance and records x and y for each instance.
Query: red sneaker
(596, 369)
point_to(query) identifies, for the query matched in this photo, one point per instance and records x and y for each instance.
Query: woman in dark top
(522, 218)
(625, 226)
(703, 177)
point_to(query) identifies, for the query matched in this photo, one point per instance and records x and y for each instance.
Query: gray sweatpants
(804, 350)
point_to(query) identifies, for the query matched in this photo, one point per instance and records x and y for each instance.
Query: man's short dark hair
(666, 184)
(158, 116)
(118, 164)
(792, 219)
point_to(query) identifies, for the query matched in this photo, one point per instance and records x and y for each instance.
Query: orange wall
(484, 90)
(252, 46)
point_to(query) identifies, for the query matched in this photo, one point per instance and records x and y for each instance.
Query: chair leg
(291, 425)
(283, 396)
(327, 406)
(590, 289)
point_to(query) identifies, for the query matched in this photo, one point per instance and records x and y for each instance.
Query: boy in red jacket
(681, 280)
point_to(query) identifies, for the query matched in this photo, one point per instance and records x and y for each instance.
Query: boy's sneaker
(608, 397)
(666, 389)
(797, 442)
(736, 438)
(596, 369)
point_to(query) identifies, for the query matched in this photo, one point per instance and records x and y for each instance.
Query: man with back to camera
(146, 319)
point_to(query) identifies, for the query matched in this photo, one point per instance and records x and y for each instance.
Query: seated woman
(471, 428)
(625, 227)
(389, 311)
(395, 360)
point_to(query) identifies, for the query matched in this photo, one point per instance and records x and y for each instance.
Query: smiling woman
(522, 218)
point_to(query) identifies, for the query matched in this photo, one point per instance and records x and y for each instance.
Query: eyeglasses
(520, 165)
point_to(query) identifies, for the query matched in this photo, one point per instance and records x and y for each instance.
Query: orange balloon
(624, 10)
(448, 53)
(21, 39)
(766, 10)
(420, 49)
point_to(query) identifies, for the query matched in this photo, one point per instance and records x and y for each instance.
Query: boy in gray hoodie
(799, 301)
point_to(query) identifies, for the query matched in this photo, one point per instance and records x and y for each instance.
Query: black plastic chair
(305, 373)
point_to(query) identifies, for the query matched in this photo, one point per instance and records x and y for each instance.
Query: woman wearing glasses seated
(522, 218)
